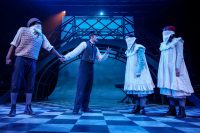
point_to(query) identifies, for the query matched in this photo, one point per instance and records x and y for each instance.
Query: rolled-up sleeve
(46, 44)
(76, 51)
(17, 38)
(140, 60)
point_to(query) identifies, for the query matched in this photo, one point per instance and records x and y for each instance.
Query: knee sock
(13, 97)
(181, 102)
(28, 98)
(171, 101)
(143, 101)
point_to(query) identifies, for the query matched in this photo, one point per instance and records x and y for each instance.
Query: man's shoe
(88, 110)
(12, 112)
(171, 111)
(75, 111)
(142, 111)
(136, 110)
(181, 113)
(28, 110)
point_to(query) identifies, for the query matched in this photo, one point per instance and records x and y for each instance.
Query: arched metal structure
(75, 30)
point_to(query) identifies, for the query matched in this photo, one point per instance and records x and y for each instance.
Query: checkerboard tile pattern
(58, 118)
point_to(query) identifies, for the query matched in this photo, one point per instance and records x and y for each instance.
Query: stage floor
(56, 118)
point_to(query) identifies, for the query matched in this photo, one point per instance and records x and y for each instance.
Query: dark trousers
(24, 74)
(84, 85)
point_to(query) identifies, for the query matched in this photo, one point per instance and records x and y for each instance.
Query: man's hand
(108, 50)
(62, 59)
(177, 72)
(8, 61)
(9, 55)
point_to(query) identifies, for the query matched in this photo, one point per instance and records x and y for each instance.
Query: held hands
(62, 59)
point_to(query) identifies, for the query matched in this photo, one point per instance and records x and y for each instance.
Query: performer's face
(94, 38)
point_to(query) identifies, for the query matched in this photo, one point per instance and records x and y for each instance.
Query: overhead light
(101, 13)
(64, 12)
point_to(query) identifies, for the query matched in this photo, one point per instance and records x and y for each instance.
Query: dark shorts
(24, 74)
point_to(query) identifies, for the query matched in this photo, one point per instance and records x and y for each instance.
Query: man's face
(94, 38)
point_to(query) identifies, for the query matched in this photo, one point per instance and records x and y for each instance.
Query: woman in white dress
(138, 81)
(173, 79)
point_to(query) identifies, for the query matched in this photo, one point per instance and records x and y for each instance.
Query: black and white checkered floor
(55, 118)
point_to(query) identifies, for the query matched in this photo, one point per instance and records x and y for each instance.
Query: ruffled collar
(133, 49)
(165, 46)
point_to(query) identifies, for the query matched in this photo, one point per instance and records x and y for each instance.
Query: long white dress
(137, 85)
(170, 59)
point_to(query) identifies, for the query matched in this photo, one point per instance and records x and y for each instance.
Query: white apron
(170, 59)
(137, 85)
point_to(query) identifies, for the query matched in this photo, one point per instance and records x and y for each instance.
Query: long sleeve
(101, 57)
(179, 55)
(76, 51)
(140, 60)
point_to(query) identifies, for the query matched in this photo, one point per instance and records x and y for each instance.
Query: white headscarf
(166, 35)
(130, 41)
